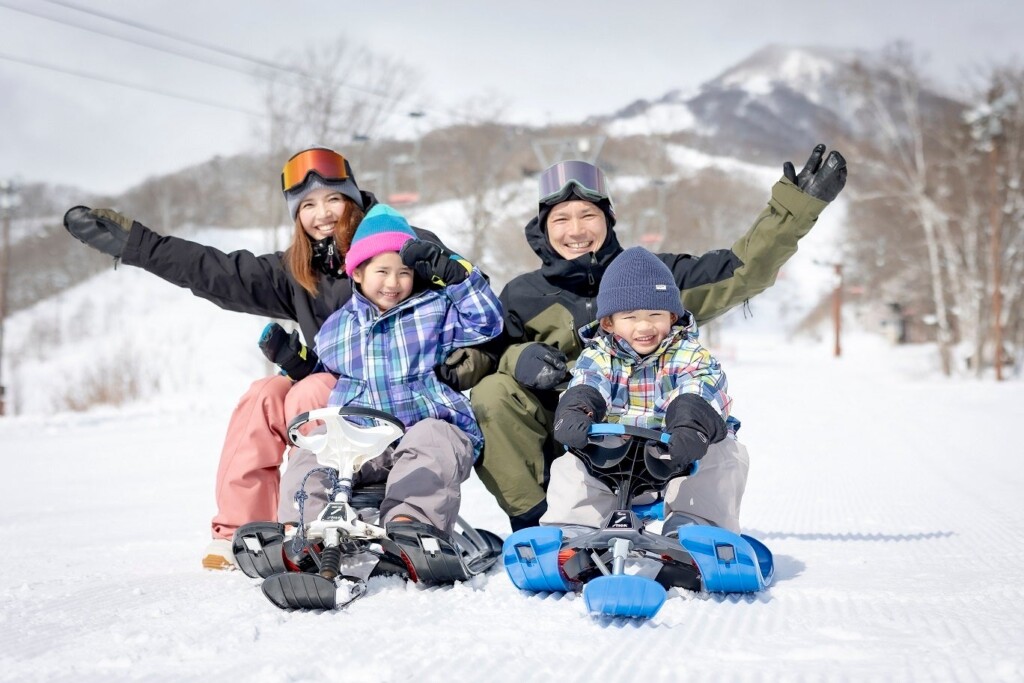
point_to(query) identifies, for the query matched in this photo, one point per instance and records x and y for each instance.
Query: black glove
(694, 425)
(434, 264)
(541, 366)
(464, 368)
(102, 229)
(822, 181)
(578, 408)
(287, 351)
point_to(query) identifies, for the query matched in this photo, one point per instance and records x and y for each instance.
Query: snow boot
(434, 557)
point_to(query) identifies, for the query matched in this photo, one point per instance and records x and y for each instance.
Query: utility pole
(997, 261)
(7, 202)
(837, 307)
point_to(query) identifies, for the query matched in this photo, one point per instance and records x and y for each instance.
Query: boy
(644, 366)
(414, 304)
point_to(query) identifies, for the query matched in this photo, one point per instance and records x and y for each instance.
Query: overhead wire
(127, 84)
(261, 72)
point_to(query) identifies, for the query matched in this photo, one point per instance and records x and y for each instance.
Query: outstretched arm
(239, 281)
(716, 282)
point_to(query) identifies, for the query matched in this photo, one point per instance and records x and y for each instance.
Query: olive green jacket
(552, 303)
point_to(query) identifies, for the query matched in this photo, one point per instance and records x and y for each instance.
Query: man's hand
(464, 368)
(104, 230)
(434, 264)
(823, 181)
(541, 366)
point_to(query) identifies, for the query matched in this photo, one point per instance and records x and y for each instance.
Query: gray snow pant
(424, 473)
(713, 495)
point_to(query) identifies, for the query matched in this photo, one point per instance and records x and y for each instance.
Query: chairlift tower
(8, 200)
(585, 148)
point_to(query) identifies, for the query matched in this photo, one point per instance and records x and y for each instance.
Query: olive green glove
(104, 230)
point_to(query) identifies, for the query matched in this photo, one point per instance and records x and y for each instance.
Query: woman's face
(576, 228)
(320, 211)
(385, 280)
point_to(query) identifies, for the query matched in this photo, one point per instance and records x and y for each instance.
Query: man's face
(575, 228)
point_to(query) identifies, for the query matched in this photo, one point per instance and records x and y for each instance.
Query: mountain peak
(796, 67)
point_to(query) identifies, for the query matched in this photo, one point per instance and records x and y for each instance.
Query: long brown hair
(298, 257)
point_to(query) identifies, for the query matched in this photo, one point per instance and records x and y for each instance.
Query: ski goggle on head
(568, 178)
(326, 163)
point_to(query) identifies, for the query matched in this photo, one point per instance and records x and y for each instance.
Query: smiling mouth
(579, 246)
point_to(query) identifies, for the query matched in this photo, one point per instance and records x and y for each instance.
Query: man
(574, 237)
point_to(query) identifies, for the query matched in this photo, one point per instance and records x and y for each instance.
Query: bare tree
(335, 94)
(906, 156)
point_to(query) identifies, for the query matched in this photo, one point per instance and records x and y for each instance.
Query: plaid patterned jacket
(639, 389)
(386, 360)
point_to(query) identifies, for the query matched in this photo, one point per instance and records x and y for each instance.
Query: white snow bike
(303, 570)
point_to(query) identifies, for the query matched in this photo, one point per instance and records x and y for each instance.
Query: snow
(889, 495)
(662, 118)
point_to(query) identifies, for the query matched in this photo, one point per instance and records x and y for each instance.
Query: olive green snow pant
(517, 429)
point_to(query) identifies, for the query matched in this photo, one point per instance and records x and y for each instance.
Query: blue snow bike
(598, 563)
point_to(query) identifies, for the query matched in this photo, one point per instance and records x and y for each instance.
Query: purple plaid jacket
(386, 360)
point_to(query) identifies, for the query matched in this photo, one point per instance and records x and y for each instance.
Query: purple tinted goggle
(568, 178)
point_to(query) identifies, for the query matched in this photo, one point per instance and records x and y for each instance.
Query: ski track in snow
(889, 497)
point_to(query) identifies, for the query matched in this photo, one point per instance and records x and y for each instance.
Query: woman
(305, 284)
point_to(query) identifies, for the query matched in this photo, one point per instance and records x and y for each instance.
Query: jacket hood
(585, 271)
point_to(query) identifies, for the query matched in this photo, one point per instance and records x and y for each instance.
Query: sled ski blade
(259, 549)
(531, 559)
(623, 595)
(294, 590)
(728, 562)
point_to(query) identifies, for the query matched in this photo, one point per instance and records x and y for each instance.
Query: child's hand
(434, 264)
(579, 407)
(694, 425)
(572, 428)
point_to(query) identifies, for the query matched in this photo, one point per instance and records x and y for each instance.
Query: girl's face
(384, 280)
(576, 228)
(643, 330)
(320, 211)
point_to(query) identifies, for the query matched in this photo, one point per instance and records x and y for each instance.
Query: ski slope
(890, 497)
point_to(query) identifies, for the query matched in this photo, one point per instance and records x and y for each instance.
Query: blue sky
(544, 62)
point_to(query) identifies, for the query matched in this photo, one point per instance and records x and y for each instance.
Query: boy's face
(385, 280)
(576, 228)
(643, 330)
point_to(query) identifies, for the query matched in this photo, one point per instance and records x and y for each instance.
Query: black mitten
(287, 351)
(694, 425)
(434, 264)
(578, 408)
(104, 230)
(541, 366)
(821, 180)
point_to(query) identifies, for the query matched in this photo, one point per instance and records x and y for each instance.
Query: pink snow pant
(248, 477)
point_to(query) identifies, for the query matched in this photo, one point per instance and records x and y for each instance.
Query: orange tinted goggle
(326, 163)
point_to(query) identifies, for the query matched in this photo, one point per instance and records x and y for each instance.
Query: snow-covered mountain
(767, 105)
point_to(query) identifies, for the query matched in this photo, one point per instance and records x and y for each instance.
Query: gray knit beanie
(346, 187)
(635, 280)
